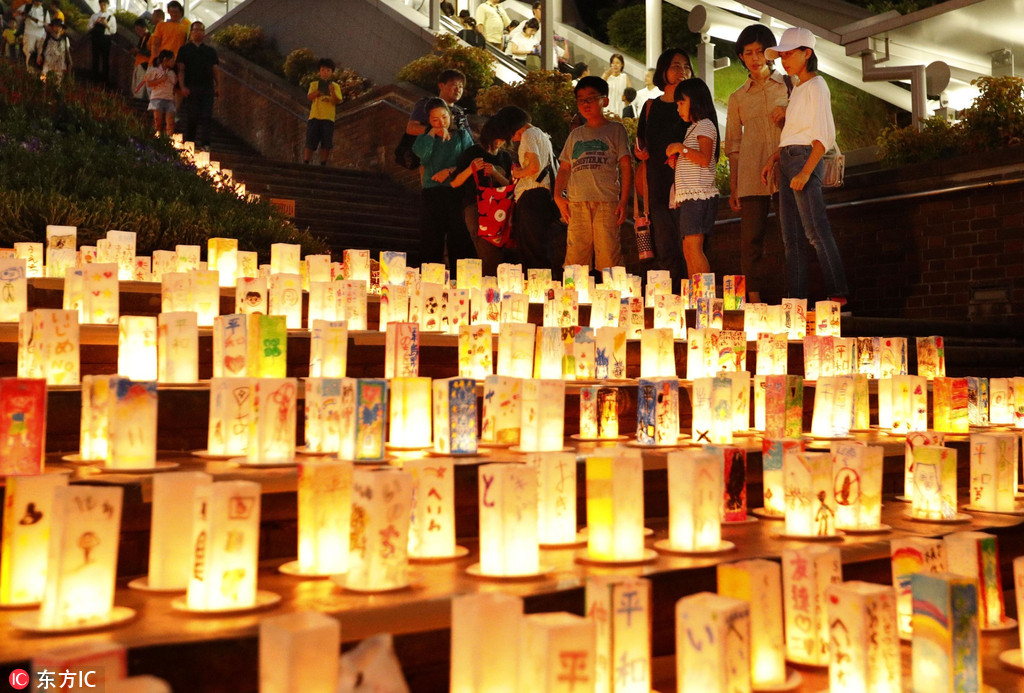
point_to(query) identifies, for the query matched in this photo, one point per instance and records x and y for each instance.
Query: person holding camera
(324, 95)
(102, 27)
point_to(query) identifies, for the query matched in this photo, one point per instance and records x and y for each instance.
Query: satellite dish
(937, 76)
(697, 22)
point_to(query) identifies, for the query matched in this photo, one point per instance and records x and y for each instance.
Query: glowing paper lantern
(454, 403)
(177, 348)
(501, 422)
(755, 320)
(433, 307)
(713, 643)
(286, 298)
(28, 506)
(100, 297)
(96, 393)
(291, 653)
(225, 540)
(810, 503)
(1000, 401)
(772, 353)
(868, 349)
(317, 269)
(915, 438)
(584, 353)
(364, 406)
(516, 350)
(892, 357)
(695, 501)
(863, 638)
(32, 254)
(13, 289)
(176, 292)
(659, 282)
(267, 346)
(222, 257)
(734, 473)
(599, 418)
(759, 582)
(410, 407)
(949, 405)
(657, 411)
(826, 319)
(432, 528)
(911, 555)
(946, 646)
(773, 452)
(734, 290)
(141, 270)
(188, 257)
(402, 350)
(833, 406)
(284, 258)
(205, 296)
(976, 555)
(712, 410)
(394, 305)
(556, 496)
(508, 520)
(323, 302)
(514, 308)
(909, 403)
(934, 483)
(475, 347)
(668, 313)
(164, 262)
(477, 621)
(22, 425)
(328, 349)
(931, 357)
(657, 353)
(561, 309)
(357, 264)
(392, 267)
(136, 347)
(325, 511)
(807, 572)
(604, 309)
(251, 295)
(132, 424)
(620, 608)
(170, 558)
(82, 560)
(458, 311)
(857, 485)
(993, 471)
(615, 518)
(230, 346)
(322, 414)
(549, 354)
(560, 649)
(272, 428)
(861, 403)
(542, 426)
(610, 353)
(701, 362)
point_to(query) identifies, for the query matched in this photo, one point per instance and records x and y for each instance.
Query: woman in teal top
(439, 149)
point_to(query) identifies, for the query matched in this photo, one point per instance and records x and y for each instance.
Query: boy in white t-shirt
(596, 169)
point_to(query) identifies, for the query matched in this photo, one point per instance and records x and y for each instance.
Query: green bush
(476, 63)
(124, 18)
(298, 64)
(249, 41)
(545, 94)
(627, 31)
(74, 18)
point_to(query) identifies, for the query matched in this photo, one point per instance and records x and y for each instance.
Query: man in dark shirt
(199, 81)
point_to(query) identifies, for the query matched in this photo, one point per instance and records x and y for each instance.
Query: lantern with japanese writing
(542, 426)
(325, 512)
(713, 643)
(857, 485)
(132, 424)
(615, 518)
(949, 405)
(657, 411)
(231, 350)
(806, 574)
(759, 582)
(409, 421)
(976, 555)
(620, 608)
(501, 422)
(432, 528)
(934, 495)
(454, 402)
(231, 415)
(863, 638)
(604, 310)
(558, 653)
(810, 503)
(272, 427)
(291, 653)
(945, 650)
(48, 346)
(993, 471)
(509, 544)
(28, 507)
(381, 512)
(32, 254)
(177, 341)
(478, 620)
(694, 502)
(402, 350)
(556, 497)
(516, 349)
(170, 558)
(328, 349)
(773, 452)
(772, 353)
(911, 555)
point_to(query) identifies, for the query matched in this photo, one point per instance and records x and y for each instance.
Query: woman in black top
(491, 165)
(659, 125)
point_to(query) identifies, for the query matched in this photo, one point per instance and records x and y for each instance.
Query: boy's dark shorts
(319, 133)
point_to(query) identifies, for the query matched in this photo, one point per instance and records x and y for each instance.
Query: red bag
(494, 206)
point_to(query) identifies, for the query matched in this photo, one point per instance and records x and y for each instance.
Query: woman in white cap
(809, 132)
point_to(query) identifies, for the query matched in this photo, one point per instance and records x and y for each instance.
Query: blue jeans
(802, 213)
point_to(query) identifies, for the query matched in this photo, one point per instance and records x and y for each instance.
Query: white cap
(797, 37)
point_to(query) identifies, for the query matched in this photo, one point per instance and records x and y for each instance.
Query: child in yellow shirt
(10, 39)
(324, 95)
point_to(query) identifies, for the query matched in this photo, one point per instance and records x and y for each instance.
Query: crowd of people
(548, 209)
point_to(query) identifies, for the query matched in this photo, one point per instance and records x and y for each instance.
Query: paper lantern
(668, 314)
(324, 516)
(402, 350)
(657, 411)
(976, 555)
(549, 353)
(634, 319)
(22, 425)
(1018, 591)
(164, 261)
(537, 282)
(826, 318)
(772, 353)
(177, 348)
(759, 582)
(13, 289)
(121, 248)
(291, 653)
(1000, 401)
(931, 357)
(810, 503)
(323, 302)
(909, 403)
(734, 474)
(251, 295)
(833, 406)
(934, 495)
(141, 271)
(615, 517)
(892, 357)
(949, 405)
(844, 355)
(170, 557)
(322, 414)
(95, 434)
(508, 520)
(946, 646)
(915, 438)
(704, 314)
(328, 349)
(558, 648)
(225, 541)
(604, 309)
(912, 555)
(701, 357)
(556, 497)
(516, 350)
(205, 296)
(490, 308)
(620, 608)
(284, 258)
(267, 346)
(755, 320)
(599, 419)
(132, 424)
(863, 638)
(1017, 389)
(222, 257)
(188, 257)
(582, 352)
(286, 298)
(364, 406)
(695, 501)
(85, 525)
(514, 308)
(478, 620)
(659, 282)
(773, 479)
(100, 297)
(136, 347)
(857, 485)
(230, 346)
(409, 421)
(454, 405)
(713, 643)
(807, 572)
(501, 422)
(32, 254)
(734, 291)
(432, 528)
(28, 507)
(357, 264)
(610, 353)
(760, 386)
(475, 347)
(868, 350)
(861, 403)
(433, 307)
(712, 410)
(318, 269)
(542, 426)
(176, 292)
(392, 267)
(394, 305)
(977, 401)
(993, 472)
(561, 308)
(458, 312)
(657, 353)
(272, 427)
(740, 381)
(819, 357)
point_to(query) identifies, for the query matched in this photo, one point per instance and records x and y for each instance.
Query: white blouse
(809, 115)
